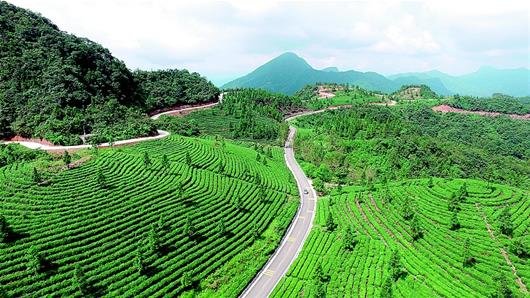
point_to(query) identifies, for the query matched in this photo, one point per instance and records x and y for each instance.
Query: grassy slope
(72, 220)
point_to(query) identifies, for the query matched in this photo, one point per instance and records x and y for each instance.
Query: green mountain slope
(57, 86)
(288, 73)
(483, 82)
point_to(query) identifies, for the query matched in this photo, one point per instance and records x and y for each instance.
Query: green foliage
(5, 229)
(387, 291)
(395, 267)
(430, 267)
(318, 274)
(80, 281)
(74, 221)
(165, 162)
(34, 261)
(259, 113)
(330, 223)
(57, 86)
(36, 176)
(498, 103)
(73, 85)
(189, 227)
(407, 92)
(67, 159)
(519, 248)
(147, 160)
(101, 179)
(139, 262)
(221, 228)
(415, 227)
(505, 222)
(186, 280)
(179, 125)
(153, 242)
(15, 153)
(467, 258)
(502, 290)
(406, 210)
(167, 88)
(412, 141)
(455, 223)
(350, 239)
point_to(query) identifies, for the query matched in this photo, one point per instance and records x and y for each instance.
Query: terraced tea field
(436, 263)
(152, 220)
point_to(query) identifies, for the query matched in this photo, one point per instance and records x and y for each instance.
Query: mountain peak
(289, 59)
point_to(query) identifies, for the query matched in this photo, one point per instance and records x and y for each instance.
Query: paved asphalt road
(294, 239)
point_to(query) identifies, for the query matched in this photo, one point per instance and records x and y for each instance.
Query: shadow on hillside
(49, 267)
(14, 236)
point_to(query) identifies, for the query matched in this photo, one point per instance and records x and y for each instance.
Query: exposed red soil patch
(450, 109)
(324, 92)
(34, 140)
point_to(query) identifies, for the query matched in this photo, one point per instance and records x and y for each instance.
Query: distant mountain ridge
(289, 73)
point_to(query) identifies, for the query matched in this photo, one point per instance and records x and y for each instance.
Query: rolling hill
(288, 73)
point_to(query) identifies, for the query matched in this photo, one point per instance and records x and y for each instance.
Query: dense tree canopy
(166, 88)
(57, 86)
(497, 103)
(413, 141)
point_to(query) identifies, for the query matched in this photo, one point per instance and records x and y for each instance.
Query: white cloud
(225, 39)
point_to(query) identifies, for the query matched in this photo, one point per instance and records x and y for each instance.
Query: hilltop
(410, 92)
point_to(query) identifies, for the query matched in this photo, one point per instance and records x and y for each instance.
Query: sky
(223, 40)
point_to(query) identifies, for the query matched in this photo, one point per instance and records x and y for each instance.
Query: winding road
(293, 241)
(161, 133)
(291, 245)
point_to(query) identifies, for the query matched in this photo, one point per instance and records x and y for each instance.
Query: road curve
(161, 134)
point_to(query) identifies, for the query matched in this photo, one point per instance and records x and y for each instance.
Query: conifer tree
(455, 223)
(147, 160)
(5, 229)
(36, 177)
(330, 223)
(396, 268)
(80, 280)
(67, 159)
(386, 290)
(505, 222)
(101, 179)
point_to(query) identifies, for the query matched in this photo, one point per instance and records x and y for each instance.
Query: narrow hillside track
(161, 134)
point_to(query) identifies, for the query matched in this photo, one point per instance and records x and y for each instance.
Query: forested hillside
(370, 143)
(245, 114)
(57, 86)
(497, 103)
(167, 88)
